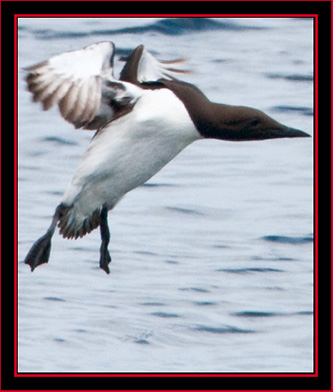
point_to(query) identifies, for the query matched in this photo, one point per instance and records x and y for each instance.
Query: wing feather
(141, 66)
(73, 81)
(150, 69)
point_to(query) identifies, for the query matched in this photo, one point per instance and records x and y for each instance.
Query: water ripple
(255, 314)
(281, 239)
(186, 211)
(168, 26)
(301, 109)
(248, 270)
(55, 299)
(195, 289)
(58, 140)
(250, 313)
(292, 77)
(165, 314)
(225, 329)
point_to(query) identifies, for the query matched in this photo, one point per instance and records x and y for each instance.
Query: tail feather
(70, 227)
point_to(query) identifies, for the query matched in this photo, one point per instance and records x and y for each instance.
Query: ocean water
(212, 259)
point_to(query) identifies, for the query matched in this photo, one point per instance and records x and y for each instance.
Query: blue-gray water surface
(212, 259)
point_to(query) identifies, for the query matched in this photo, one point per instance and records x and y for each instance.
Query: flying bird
(142, 121)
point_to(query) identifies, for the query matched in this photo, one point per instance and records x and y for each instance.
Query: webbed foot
(39, 252)
(105, 259)
(41, 249)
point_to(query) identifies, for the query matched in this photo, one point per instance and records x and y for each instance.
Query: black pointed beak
(275, 133)
(291, 132)
(280, 131)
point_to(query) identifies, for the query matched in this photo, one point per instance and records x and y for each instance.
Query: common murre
(143, 120)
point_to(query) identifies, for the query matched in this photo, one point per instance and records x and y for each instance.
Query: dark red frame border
(315, 17)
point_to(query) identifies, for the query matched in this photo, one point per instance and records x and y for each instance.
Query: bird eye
(254, 122)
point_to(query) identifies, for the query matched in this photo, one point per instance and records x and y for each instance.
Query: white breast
(129, 151)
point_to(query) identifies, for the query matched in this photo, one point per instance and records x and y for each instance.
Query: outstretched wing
(141, 66)
(76, 81)
(82, 84)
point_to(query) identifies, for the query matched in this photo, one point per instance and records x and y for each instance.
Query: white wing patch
(150, 69)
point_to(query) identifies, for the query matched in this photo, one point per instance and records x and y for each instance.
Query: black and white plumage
(143, 120)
